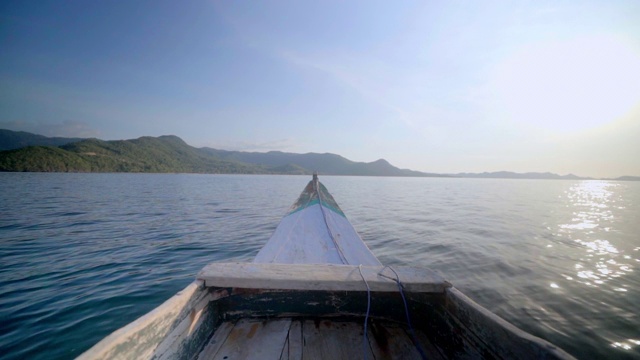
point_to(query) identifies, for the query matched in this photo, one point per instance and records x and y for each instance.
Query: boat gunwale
(501, 336)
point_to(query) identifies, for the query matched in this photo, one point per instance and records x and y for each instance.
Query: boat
(316, 291)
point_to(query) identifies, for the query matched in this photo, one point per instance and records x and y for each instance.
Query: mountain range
(23, 151)
(30, 152)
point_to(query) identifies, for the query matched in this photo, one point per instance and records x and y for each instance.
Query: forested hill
(171, 154)
(146, 154)
(10, 140)
(323, 163)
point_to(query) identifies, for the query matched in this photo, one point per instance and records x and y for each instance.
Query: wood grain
(320, 277)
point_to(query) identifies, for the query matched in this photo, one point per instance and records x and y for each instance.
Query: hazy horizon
(436, 87)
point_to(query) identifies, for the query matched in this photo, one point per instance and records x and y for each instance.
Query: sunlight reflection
(591, 202)
(621, 345)
(625, 345)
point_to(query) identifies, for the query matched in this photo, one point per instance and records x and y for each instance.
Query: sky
(435, 86)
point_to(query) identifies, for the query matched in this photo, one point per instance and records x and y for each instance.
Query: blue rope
(365, 341)
(406, 310)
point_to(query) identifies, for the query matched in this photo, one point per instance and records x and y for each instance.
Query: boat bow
(316, 231)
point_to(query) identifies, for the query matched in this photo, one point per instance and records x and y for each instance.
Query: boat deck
(314, 339)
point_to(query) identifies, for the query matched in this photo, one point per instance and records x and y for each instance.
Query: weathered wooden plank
(171, 345)
(314, 339)
(293, 346)
(141, 338)
(324, 339)
(255, 339)
(217, 340)
(391, 341)
(320, 277)
(430, 351)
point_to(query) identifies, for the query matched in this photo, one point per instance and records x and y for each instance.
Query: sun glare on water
(570, 86)
(604, 262)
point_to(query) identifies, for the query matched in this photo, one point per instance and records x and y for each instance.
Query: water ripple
(84, 254)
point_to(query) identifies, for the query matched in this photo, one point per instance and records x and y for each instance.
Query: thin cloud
(363, 76)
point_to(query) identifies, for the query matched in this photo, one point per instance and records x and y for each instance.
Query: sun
(569, 86)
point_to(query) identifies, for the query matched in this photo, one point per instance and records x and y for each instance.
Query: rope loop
(406, 308)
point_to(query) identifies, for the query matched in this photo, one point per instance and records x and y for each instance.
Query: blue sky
(437, 86)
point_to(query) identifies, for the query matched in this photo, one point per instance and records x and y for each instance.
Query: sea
(82, 255)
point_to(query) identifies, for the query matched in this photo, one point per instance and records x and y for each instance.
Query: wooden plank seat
(321, 277)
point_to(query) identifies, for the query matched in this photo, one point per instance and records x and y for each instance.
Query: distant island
(27, 152)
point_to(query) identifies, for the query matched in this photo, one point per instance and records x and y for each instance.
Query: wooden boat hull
(449, 324)
(308, 294)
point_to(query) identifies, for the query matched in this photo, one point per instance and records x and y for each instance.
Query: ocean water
(83, 254)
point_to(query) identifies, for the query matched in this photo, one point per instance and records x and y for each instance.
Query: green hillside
(171, 154)
(146, 154)
(10, 140)
(327, 164)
